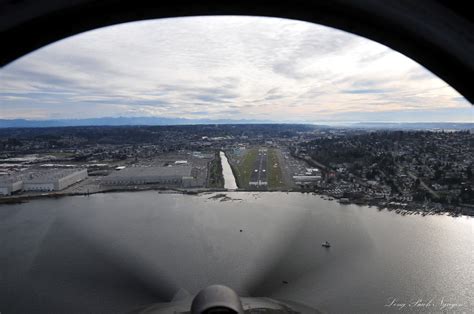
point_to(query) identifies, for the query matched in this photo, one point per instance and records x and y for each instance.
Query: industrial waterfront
(428, 171)
(251, 241)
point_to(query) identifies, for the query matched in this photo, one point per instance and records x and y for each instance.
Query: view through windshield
(307, 169)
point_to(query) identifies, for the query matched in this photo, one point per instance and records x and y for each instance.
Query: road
(423, 184)
(320, 165)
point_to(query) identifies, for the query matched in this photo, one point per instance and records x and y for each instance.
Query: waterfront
(300, 158)
(54, 251)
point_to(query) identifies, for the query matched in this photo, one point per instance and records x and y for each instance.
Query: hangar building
(10, 184)
(180, 176)
(54, 180)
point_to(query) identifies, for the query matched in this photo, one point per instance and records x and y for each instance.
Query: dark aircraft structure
(221, 299)
(438, 34)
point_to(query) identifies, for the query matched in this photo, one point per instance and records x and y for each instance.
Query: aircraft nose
(216, 299)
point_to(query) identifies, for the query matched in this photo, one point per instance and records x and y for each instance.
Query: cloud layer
(225, 67)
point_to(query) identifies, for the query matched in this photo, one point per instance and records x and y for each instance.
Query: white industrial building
(313, 172)
(169, 176)
(54, 180)
(307, 181)
(9, 185)
(306, 178)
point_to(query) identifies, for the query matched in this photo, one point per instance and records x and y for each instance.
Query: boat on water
(326, 244)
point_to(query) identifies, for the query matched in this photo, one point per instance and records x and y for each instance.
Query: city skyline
(238, 68)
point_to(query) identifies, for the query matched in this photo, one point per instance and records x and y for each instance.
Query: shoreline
(399, 208)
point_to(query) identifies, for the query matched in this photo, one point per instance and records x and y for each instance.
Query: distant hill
(23, 123)
(414, 125)
(110, 121)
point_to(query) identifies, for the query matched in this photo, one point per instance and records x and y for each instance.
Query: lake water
(114, 252)
(229, 179)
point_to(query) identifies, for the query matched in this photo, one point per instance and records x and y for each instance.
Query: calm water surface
(114, 252)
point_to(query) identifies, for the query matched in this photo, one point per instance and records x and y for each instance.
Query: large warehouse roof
(179, 171)
(49, 176)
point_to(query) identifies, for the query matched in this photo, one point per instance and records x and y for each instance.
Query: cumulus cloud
(224, 67)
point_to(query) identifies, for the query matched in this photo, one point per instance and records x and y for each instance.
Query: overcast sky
(225, 67)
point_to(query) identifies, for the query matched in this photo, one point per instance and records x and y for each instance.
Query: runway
(258, 179)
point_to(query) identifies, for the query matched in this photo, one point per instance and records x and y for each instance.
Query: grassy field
(274, 175)
(243, 170)
(216, 180)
